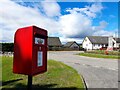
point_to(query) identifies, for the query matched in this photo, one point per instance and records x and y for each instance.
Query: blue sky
(109, 13)
(71, 21)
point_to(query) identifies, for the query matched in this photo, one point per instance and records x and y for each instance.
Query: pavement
(97, 72)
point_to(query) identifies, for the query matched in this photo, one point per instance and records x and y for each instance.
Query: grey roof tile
(54, 41)
(101, 39)
(68, 44)
(98, 39)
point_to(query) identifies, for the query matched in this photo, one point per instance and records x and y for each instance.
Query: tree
(7, 47)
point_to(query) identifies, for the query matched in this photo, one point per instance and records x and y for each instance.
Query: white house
(97, 42)
(116, 42)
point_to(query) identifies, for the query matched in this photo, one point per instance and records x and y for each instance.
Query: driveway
(97, 73)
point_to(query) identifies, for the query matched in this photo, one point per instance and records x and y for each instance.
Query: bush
(7, 47)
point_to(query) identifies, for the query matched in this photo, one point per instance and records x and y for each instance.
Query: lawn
(115, 53)
(97, 55)
(57, 76)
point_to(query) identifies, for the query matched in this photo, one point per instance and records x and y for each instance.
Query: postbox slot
(39, 35)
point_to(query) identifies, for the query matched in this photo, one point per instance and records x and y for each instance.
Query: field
(57, 76)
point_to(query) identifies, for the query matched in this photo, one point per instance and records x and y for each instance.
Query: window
(75, 47)
(106, 45)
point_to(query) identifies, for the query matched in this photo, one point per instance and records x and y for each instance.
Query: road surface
(97, 73)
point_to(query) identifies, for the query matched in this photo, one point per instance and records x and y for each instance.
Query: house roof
(54, 41)
(68, 44)
(101, 39)
(98, 39)
(117, 40)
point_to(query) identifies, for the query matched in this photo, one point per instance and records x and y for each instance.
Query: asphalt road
(97, 73)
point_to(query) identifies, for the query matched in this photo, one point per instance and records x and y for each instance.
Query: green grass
(115, 53)
(99, 55)
(58, 75)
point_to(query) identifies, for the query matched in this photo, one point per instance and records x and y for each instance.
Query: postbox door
(39, 55)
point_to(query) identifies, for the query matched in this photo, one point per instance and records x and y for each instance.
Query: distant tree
(7, 47)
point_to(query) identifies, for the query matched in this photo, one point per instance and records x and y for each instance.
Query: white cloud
(103, 24)
(15, 16)
(65, 40)
(51, 8)
(99, 30)
(75, 25)
(70, 27)
(112, 16)
(95, 8)
(78, 23)
(90, 11)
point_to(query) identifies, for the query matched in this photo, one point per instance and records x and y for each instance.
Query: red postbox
(30, 51)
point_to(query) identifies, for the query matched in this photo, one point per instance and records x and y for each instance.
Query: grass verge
(58, 75)
(99, 55)
(113, 53)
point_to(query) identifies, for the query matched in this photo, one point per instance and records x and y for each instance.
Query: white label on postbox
(39, 40)
(40, 58)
